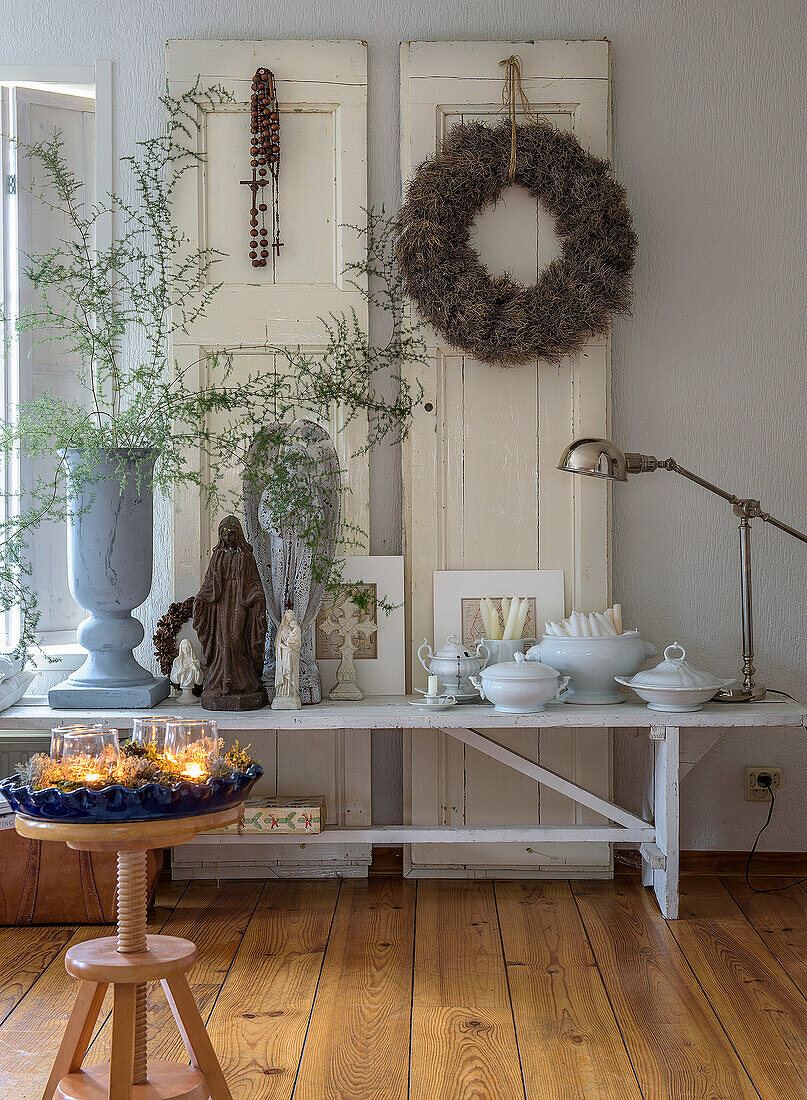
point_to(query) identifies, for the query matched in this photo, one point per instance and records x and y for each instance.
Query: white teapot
(454, 665)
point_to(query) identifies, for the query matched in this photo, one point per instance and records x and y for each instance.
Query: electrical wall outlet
(754, 792)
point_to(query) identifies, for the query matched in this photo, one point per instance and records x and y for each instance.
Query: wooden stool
(128, 965)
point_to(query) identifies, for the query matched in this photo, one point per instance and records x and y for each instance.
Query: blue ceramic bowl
(146, 803)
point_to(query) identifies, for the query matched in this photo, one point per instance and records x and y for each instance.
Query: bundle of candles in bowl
(170, 765)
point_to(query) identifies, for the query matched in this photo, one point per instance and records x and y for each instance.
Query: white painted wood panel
(486, 441)
(322, 95)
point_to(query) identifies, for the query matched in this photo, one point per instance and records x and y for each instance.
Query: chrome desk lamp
(601, 458)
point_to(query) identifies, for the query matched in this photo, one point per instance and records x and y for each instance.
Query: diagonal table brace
(525, 766)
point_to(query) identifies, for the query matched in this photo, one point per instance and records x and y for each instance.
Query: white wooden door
(480, 486)
(322, 94)
(46, 367)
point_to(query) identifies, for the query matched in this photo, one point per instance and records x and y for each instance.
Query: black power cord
(765, 779)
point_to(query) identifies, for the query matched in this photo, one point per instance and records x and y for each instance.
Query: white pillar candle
(434, 685)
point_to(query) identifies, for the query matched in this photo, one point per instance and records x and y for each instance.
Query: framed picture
(379, 660)
(457, 594)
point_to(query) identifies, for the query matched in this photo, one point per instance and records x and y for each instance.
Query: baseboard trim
(694, 862)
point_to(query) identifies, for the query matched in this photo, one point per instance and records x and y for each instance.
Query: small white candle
(434, 685)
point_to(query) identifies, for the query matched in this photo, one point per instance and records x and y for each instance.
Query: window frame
(63, 652)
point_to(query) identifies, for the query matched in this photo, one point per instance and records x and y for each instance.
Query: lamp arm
(748, 508)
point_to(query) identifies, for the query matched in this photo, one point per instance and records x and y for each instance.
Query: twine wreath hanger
(495, 318)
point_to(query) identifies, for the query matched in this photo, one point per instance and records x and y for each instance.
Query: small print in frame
(327, 645)
(473, 627)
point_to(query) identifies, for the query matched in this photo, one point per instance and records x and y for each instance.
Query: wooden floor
(458, 991)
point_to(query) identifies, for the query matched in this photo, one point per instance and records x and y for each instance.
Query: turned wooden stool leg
(121, 1057)
(194, 1034)
(132, 914)
(77, 1035)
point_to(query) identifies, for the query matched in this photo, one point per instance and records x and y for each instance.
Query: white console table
(678, 741)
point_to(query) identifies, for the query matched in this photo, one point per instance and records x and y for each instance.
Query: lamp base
(740, 694)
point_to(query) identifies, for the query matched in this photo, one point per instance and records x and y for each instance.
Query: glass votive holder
(189, 745)
(91, 754)
(150, 730)
(57, 735)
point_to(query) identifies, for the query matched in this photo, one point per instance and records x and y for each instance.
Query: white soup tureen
(520, 686)
(674, 684)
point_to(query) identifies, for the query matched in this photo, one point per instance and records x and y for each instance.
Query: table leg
(77, 1035)
(192, 1029)
(666, 741)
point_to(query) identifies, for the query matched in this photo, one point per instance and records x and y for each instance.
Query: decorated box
(280, 815)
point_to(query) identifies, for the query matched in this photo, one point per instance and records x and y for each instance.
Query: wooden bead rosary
(265, 162)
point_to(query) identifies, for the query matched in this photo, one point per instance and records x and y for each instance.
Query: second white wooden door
(480, 485)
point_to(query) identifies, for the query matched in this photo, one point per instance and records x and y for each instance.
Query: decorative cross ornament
(343, 621)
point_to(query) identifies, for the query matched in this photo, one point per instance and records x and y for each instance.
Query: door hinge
(11, 185)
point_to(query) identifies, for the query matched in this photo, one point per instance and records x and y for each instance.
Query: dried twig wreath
(496, 319)
(165, 637)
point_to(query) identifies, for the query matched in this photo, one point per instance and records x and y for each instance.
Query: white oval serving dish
(674, 684)
(520, 686)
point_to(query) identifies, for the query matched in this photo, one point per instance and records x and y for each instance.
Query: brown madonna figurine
(229, 615)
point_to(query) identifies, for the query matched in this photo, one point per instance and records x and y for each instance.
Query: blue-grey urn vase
(109, 561)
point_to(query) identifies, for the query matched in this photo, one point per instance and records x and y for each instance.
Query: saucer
(440, 703)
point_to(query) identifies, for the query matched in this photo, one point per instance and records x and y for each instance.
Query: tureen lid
(453, 648)
(520, 669)
(675, 672)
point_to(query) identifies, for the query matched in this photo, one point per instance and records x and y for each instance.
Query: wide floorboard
(388, 989)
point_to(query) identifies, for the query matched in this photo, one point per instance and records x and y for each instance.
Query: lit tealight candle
(193, 771)
(93, 777)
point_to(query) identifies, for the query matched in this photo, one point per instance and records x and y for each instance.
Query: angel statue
(292, 493)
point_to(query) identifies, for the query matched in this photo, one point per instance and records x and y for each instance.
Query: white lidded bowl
(674, 684)
(520, 686)
(593, 664)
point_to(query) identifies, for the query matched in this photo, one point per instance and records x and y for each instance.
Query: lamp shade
(595, 458)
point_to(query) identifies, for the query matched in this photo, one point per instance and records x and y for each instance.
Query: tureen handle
(668, 651)
(562, 686)
(650, 650)
(477, 682)
(429, 653)
(480, 649)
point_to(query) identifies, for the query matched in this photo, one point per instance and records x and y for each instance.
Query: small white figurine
(343, 621)
(187, 672)
(287, 664)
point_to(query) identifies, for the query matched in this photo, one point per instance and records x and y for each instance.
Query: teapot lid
(520, 669)
(453, 648)
(676, 672)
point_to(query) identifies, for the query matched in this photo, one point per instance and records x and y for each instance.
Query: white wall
(709, 139)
